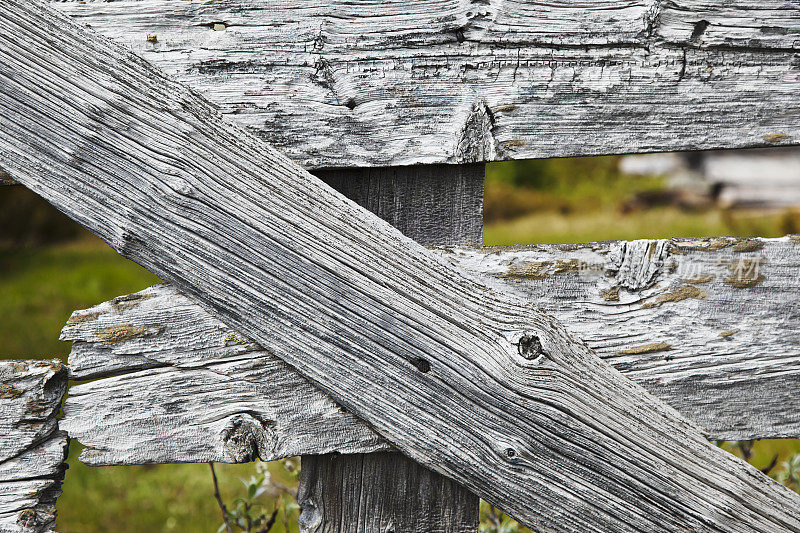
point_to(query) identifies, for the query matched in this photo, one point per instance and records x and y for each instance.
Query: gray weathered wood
(670, 320)
(416, 348)
(32, 449)
(711, 326)
(344, 84)
(434, 205)
(380, 492)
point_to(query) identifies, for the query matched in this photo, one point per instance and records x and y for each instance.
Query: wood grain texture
(436, 205)
(774, 24)
(388, 492)
(32, 449)
(708, 325)
(417, 349)
(671, 321)
(380, 492)
(353, 84)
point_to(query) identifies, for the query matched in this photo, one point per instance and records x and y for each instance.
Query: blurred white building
(758, 178)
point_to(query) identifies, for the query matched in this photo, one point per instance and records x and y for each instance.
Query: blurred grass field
(42, 282)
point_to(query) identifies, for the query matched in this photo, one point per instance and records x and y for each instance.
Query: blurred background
(51, 266)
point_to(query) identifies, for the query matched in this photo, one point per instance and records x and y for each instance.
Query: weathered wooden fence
(32, 449)
(297, 323)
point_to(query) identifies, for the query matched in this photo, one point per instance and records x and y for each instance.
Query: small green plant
(494, 521)
(742, 448)
(788, 472)
(267, 502)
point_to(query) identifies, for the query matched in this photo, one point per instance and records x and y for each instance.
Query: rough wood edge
(33, 450)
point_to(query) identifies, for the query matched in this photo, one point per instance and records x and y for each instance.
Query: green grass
(40, 287)
(608, 224)
(163, 498)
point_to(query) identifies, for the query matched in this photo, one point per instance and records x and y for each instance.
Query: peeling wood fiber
(32, 449)
(416, 348)
(349, 84)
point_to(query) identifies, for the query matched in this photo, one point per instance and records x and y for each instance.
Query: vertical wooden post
(436, 205)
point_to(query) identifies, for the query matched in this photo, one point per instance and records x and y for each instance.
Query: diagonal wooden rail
(409, 344)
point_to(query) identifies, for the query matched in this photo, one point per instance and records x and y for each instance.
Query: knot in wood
(530, 347)
(246, 438)
(310, 518)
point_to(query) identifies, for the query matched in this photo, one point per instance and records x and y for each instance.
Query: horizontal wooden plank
(731, 23)
(711, 326)
(32, 449)
(414, 347)
(343, 84)
(669, 319)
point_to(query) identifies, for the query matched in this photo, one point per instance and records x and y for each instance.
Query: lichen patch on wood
(745, 273)
(776, 137)
(610, 295)
(682, 293)
(528, 270)
(81, 318)
(8, 391)
(712, 244)
(647, 348)
(744, 283)
(115, 334)
(748, 245)
(233, 338)
(701, 279)
(130, 300)
(564, 266)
